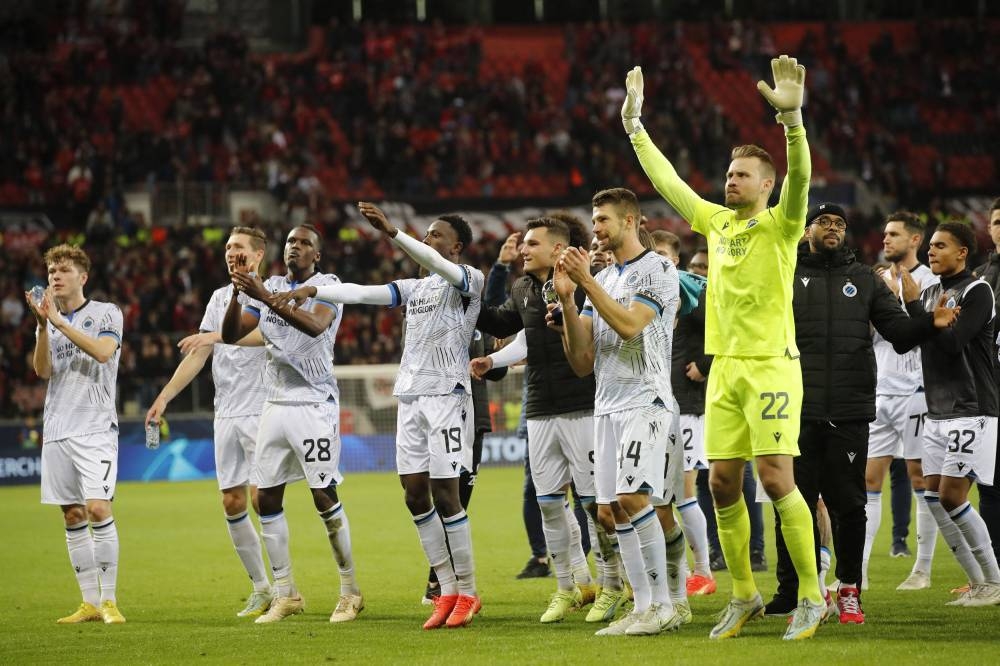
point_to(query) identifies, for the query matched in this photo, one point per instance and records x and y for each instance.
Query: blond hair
(70, 253)
(750, 150)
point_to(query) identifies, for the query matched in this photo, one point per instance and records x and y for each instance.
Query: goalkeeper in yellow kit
(754, 393)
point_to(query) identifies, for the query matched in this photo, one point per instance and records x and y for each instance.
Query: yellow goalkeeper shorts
(752, 407)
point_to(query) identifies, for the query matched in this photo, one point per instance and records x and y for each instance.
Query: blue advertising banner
(189, 453)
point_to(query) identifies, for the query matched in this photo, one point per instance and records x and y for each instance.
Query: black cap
(826, 208)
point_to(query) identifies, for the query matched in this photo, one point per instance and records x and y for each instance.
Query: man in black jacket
(835, 298)
(989, 496)
(960, 436)
(560, 409)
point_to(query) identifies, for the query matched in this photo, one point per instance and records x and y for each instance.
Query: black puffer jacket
(835, 298)
(553, 387)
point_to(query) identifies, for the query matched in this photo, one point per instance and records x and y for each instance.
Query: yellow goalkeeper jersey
(751, 264)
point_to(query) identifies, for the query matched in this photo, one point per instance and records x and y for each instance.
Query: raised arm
(344, 292)
(577, 331)
(786, 98)
(423, 254)
(41, 360)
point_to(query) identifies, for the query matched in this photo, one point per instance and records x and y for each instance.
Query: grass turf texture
(181, 584)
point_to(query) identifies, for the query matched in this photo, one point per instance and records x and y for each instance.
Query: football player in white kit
(299, 433)
(900, 405)
(78, 344)
(434, 420)
(238, 375)
(623, 336)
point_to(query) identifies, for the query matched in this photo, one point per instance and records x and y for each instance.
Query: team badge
(632, 279)
(751, 224)
(850, 290)
(88, 323)
(951, 302)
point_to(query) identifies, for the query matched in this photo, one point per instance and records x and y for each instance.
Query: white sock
(432, 539)
(460, 543)
(696, 532)
(338, 530)
(598, 543)
(676, 564)
(873, 512)
(557, 537)
(632, 561)
(247, 544)
(654, 554)
(953, 537)
(80, 545)
(974, 530)
(577, 558)
(274, 532)
(106, 556)
(824, 567)
(927, 531)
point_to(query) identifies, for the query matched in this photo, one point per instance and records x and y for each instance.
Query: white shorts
(897, 430)
(630, 449)
(673, 469)
(961, 447)
(235, 441)
(299, 441)
(561, 449)
(434, 435)
(77, 469)
(692, 427)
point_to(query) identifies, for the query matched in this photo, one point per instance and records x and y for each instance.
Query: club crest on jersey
(751, 224)
(632, 280)
(88, 323)
(951, 301)
(850, 290)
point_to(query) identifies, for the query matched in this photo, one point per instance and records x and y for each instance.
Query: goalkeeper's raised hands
(789, 88)
(632, 106)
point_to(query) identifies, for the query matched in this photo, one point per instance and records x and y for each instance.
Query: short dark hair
(461, 227)
(556, 228)
(313, 229)
(667, 238)
(995, 205)
(913, 222)
(579, 233)
(701, 248)
(621, 198)
(258, 239)
(962, 232)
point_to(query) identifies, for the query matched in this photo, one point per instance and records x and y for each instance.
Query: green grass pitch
(181, 584)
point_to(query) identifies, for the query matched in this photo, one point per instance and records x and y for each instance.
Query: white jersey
(440, 319)
(901, 374)
(238, 372)
(633, 373)
(299, 368)
(80, 399)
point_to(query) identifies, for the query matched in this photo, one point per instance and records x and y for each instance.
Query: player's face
(610, 227)
(442, 237)
(699, 264)
(666, 250)
(540, 250)
(239, 245)
(945, 255)
(828, 232)
(598, 258)
(66, 280)
(745, 182)
(995, 227)
(301, 249)
(897, 241)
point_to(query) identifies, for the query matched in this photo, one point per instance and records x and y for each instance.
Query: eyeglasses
(826, 222)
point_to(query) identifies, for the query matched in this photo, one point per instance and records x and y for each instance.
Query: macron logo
(805, 281)
(851, 456)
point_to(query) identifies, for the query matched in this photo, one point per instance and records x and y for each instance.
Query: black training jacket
(834, 300)
(553, 387)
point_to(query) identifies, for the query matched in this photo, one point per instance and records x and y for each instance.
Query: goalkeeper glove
(789, 87)
(632, 106)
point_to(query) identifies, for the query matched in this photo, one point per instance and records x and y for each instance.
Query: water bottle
(37, 294)
(153, 436)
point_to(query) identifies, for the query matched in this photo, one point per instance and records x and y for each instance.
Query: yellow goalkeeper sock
(797, 529)
(734, 537)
